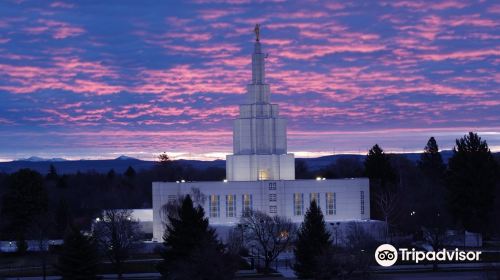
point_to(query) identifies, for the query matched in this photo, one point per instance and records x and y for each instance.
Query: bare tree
(116, 233)
(387, 202)
(271, 235)
(41, 227)
(434, 232)
(361, 246)
(164, 158)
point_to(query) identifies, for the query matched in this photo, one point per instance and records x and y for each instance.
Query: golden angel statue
(256, 30)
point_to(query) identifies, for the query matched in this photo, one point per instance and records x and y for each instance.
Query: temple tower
(259, 133)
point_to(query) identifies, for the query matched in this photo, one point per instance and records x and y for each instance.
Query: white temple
(259, 134)
(261, 174)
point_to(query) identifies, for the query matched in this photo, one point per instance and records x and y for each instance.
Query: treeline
(79, 198)
(428, 196)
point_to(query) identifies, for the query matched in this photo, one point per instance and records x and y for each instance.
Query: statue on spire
(256, 30)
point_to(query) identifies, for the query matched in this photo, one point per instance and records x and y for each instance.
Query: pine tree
(130, 172)
(471, 182)
(382, 176)
(378, 167)
(111, 174)
(25, 198)
(430, 196)
(313, 240)
(192, 250)
(52, 175)
(431, 162)
(79, 258)
(62, 216)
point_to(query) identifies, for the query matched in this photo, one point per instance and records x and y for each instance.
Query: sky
(99, 79)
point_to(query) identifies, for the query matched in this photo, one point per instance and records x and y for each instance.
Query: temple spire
(256, 30)
(258, 90)
(258, 72)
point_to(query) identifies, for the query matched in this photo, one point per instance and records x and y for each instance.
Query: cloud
(461, 55)
(70, 74)
(110, 79)
(58, 29)
(62, 5)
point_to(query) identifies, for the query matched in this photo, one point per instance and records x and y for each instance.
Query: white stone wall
(259, 136)
(348, 202)
(256, 167)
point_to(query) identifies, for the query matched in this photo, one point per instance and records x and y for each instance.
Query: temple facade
(261, 173)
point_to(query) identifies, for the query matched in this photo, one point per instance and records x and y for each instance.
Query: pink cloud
(461, 55)
(494, 9)
(183, 79)
(472, 20)
(63, 5)
(214, 14)
(314, 51)
(58, 29)
(65, 74)
(425, 5)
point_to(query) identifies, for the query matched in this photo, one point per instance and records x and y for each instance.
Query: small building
(261, 173)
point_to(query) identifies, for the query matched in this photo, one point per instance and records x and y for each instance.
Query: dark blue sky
(97, 79)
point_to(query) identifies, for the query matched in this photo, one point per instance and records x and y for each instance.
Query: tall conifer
(471, 182)
(192, 250)
(79, 258)
(313, 240)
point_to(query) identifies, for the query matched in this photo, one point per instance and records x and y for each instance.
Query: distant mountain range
(38, 159)
(120, 164)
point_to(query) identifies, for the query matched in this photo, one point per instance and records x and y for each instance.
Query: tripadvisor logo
(387, 255)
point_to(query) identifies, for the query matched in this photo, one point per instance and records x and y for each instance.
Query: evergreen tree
(378, 167)
(431, 162)
(431, 194)
(79, 258)
(382, 176)
(52, 175)
(192, 250)
(25, 199)
(471, 182)
(313, 240)
(62, 217)
(130, 172)
(62, 182)
(111, 174)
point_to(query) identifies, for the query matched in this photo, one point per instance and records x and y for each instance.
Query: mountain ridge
(121, 163)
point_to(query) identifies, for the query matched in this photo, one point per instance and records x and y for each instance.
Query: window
(246, 202)
(298, 204)
(331, 203)
(362, 194)
(314, 196)
(263, 174)
(272, 197)
(272, 186)
(231, 205)
(273, 209)
(213, 205)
